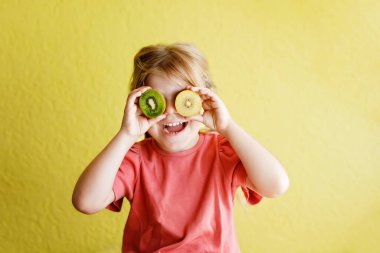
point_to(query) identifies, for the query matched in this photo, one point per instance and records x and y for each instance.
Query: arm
(93, 191)
(266, 176)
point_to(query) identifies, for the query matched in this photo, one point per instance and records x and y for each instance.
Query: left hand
(215, 115)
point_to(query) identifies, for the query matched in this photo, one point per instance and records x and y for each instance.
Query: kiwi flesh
(188, 103)
(152, 103)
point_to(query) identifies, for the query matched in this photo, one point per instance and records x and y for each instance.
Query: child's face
(186, 134)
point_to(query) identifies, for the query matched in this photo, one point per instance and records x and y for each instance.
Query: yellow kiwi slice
(188, 103)
(152, 103)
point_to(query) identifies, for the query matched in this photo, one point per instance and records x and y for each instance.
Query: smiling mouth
(175, 127)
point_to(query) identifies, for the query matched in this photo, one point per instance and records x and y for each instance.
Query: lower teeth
(175, 132)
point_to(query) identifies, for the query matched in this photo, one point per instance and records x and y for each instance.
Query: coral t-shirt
(183, 201)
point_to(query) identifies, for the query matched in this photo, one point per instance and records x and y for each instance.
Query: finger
(212, 102)
(132, 97)
(207, 105)
(209, 99)
(156, 120)
(132, 100)
(201, 90)
(142, 88)
(205, 93)
(204, 97)
(139, 112)
(139, 91)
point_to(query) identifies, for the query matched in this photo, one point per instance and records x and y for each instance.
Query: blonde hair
(179, 60)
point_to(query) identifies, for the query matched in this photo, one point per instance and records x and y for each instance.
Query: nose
(170, 107)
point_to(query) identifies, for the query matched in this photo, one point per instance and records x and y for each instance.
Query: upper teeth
(173, 124)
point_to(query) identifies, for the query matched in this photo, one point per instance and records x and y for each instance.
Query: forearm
(95, 184)
(264, 171)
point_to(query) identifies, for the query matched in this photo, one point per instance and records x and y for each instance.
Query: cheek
(154, 130)
(195, 125)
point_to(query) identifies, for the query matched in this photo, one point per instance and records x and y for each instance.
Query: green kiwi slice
(152, 103)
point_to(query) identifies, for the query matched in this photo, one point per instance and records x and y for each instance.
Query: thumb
(197, 117)
(155, 120)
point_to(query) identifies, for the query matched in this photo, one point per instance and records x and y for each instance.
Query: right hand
(135, 123)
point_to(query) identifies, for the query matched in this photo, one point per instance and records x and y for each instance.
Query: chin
(166, 138)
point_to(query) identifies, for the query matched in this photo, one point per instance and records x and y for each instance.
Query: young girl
(180, 182)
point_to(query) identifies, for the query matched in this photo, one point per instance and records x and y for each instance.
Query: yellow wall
(301, 76)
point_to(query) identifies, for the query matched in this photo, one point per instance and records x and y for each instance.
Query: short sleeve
(126, 178)
(235, 171)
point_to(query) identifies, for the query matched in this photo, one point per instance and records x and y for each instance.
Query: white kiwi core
(152, 103)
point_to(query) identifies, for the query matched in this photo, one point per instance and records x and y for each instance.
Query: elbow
(81, 206)
(276, 187)
(272, 188)
(280, 188)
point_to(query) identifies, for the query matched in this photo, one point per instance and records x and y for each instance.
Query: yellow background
(303, 77)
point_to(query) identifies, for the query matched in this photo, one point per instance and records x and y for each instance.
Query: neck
(181, 146)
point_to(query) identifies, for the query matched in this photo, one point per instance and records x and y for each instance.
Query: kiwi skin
(181, 103)
(151, 98)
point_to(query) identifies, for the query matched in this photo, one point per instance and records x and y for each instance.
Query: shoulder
(224, 146)
(138, 147)
(219, 141)
(210, 139)
(143, 144)
(213, 135)
(147, 149)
